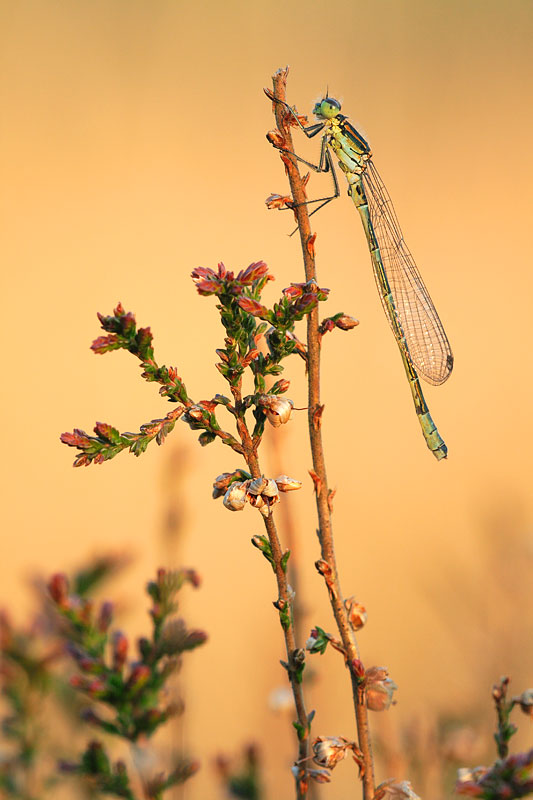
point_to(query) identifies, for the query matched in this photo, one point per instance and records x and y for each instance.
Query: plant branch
(294, 664)
(325, 532)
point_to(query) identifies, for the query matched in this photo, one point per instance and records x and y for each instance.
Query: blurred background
(132, 149)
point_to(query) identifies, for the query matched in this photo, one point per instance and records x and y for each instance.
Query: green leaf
(300, 730)
(206, 438)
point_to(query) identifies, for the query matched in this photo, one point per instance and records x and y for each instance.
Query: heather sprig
(128, 690)
(246, 321)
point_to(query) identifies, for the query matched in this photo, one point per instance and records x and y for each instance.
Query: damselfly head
(327, 108)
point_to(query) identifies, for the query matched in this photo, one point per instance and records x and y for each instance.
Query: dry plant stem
(290, 539)
(325, 532)
(252, 461)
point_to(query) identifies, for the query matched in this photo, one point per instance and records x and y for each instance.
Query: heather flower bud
(235, 497)
(257, 485)
(526, 702)
(271, 489)
(357, 615)
(221, 483)
(252, 273)
(58, 588)
(286, 484)
(358, 669)
(277, 409)
(277, 201)
(95, 688)
(317, 641)
(252, 306)
(276, 138)
(379, 689)
(196, 413)
(140, 675)
(120, 650)
(346, 323)
(281, 386)
(329, 750)
(105, 617)
(256, 500)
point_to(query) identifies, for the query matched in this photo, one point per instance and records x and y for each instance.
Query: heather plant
(122, 699)
(35, 688)
(258, 340)
(126, 698)
(510, 776)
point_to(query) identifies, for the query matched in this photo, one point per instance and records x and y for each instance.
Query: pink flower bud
(252, 306)
(294, 290)
(221, 483)
(96, 688)
(282, 385)
(346, 323)
(105, 616)
(120, 650)
(358, 669)
(252, 273)
(58, 588)
(139, 676)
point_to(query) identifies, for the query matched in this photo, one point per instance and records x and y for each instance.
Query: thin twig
(284, 603)
(325, 532)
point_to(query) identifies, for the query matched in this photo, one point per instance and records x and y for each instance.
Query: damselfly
(416, 326)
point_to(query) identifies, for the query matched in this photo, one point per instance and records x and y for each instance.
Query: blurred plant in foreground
(510, 776)
(126, 698)
(35, 690)
(240, 777)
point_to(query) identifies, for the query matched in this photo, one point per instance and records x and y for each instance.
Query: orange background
(132, 149)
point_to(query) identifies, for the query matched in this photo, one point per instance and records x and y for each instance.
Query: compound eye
(333, 103)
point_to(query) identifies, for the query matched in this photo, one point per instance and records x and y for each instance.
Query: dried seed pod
(236, 496)
(286, 484)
